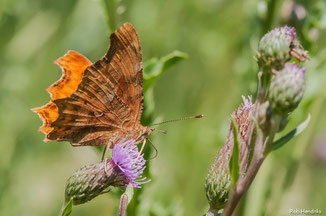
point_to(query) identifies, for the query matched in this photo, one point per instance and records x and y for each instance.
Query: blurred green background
(220, 37)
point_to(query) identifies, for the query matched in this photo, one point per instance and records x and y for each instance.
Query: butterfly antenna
(162, 131)
(180, 119)
(156, 151)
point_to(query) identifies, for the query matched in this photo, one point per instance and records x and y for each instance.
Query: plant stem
(259, 155)
(110, 10)
(269, 16)
(264, 79)
(244, 182)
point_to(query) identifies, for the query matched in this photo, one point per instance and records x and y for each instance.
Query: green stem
(264, 79)
(244, 183)
(260, 153)
(275, 125)
(110, 10)
(269, 16)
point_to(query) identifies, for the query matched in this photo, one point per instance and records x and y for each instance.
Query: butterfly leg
(105, 157)
(141, 150)
(104, 152)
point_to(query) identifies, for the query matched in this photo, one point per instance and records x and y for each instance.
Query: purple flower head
(279, 46)
(291, 30)
(124, 156)
(295, 67)
(247, 103)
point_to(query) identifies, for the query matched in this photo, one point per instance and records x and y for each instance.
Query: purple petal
(124, 157)
(247, 103)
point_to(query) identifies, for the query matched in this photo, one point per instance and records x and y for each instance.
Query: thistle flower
(218, 179)
(287, 88)
(278, 46)
(125, 158)
(247, 103)
(243, 119)
(123, 168)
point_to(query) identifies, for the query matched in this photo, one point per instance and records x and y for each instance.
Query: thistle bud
(123, 168)
(88, 182)
(218, 179)
(278, 46)
(286, 90)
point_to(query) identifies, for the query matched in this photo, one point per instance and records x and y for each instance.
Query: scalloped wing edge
(48, 114)
(73, 65)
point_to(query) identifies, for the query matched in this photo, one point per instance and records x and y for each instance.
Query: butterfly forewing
(108, 101)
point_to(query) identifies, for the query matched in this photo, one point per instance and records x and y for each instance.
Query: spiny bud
(126, 166)
(218, 179)
(286, 90)
(278, 46)
(90, 181)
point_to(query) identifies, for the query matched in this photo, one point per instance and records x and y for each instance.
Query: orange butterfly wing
(73, 66)
(107, 104)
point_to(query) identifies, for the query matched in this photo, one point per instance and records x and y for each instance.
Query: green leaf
(130, 192)
(234, 160)
(67, 208)
(280, 142)
(125, 199)
(155, 67)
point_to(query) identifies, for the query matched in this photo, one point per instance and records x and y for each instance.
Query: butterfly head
(145, 133)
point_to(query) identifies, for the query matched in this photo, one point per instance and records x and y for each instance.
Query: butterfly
(98, 103)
